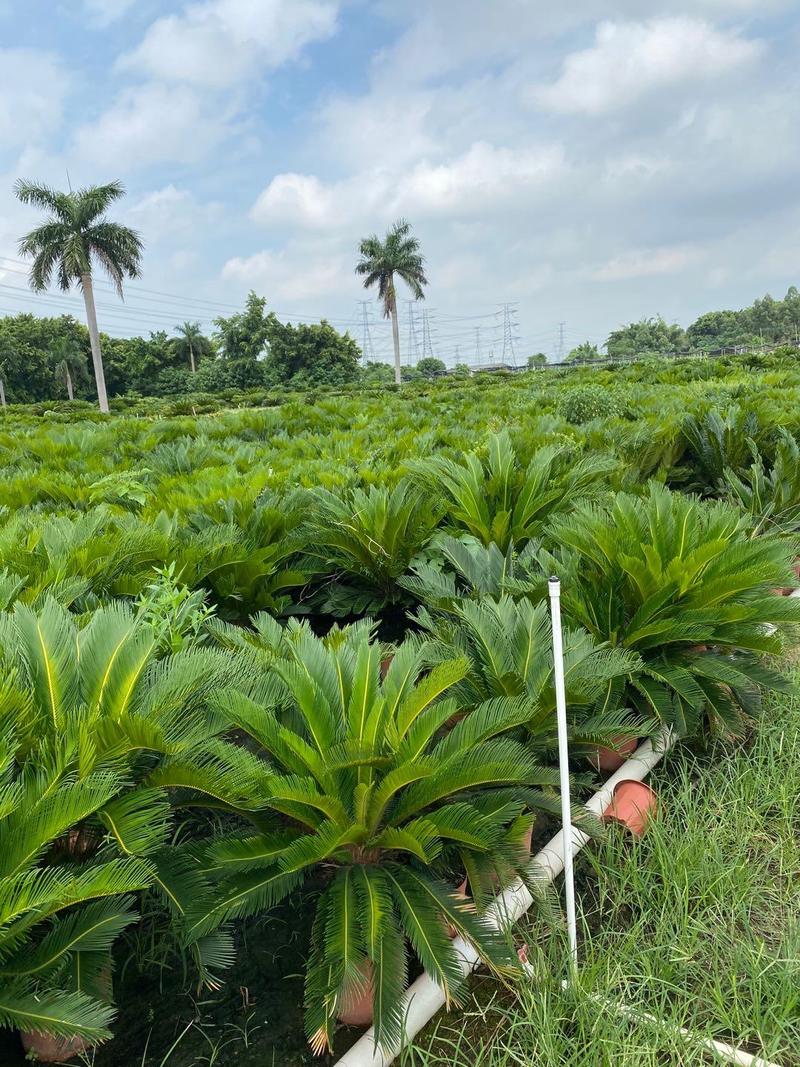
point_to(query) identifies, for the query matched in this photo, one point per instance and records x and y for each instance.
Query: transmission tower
(427, 332)
(413, 338)
(510, 334)
(366, 345)
(560, 351)
(477, 345)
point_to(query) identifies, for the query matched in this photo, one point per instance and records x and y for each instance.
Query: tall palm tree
(74, 233)
(68, 363)
(380, 260)
(191, 340)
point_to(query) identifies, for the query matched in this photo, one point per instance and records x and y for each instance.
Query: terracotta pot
(796, 567)
(611, 759)
(633, 804)
(698, 648)
(49, 1049)
(356, 1007)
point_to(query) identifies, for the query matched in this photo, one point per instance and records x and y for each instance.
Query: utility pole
(367, 350)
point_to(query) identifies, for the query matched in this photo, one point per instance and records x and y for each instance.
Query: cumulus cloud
(483, 178)
(296, 272)
(33, 86)
(221, 42)
(630, 59)
(151, 124)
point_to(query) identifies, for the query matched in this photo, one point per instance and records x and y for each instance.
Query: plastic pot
(611, 759)
(356, 1006)
(48, 1049)
(633, 804)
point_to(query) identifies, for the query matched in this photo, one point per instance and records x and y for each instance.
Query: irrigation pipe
(424, 998)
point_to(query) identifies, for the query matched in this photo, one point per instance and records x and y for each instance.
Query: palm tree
(68, 363)
(190, 340)
(381, 260)
(75, 232)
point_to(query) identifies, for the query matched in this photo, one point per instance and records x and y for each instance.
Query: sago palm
(769, 491)
(385, 808)
(681, 583)
(361, 541)
(100, 713)
(499, 500)
(397, 254)
(75, 235)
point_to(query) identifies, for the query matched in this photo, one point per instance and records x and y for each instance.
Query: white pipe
(424, 997)
(554, 587)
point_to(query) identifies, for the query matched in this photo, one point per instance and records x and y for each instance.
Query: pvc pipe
(554, 588)
(424, 998)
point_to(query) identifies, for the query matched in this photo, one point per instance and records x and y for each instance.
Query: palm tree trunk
(94, 338)
(191, 358)
(2, 392)
(398, 377)
(69, 385)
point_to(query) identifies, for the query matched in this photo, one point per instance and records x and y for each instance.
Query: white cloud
(103, 12)
(293, 273)
(33, 86)
(218, 43)
(170, 212)
(647, 263)
(150, 124)
(484, 178)
(629, 59)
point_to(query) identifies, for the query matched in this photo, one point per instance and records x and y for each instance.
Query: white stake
(554, 587)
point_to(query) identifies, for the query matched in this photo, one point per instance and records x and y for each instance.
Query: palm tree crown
(192, 341)
(74, 233)
(398, 254)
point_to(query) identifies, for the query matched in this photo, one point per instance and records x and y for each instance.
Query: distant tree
(646, 338)
(69, 363)
(375, 372)
(583, 353)
(75, 233)
(192, 342)
(399, 253)
(429, 367)
(244, 335)
(537, 361)
(462, 370)
(310, 354)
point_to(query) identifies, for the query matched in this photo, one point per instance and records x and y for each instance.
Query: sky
(583, 164)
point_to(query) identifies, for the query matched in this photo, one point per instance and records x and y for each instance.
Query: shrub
(587, 402)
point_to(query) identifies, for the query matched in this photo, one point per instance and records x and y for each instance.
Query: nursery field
(277, 677)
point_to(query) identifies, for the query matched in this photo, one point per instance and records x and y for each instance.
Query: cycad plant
(769, 492)
(500, 500)
(508, 644)
(385, 809)
(361, 541)
(681, 583)
(715, 442)
(103, 737)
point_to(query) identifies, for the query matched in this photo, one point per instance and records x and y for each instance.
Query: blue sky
(588, 166)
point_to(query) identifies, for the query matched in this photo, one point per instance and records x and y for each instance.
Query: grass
(697, 924)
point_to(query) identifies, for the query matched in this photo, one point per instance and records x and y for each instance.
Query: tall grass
(697, 924)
